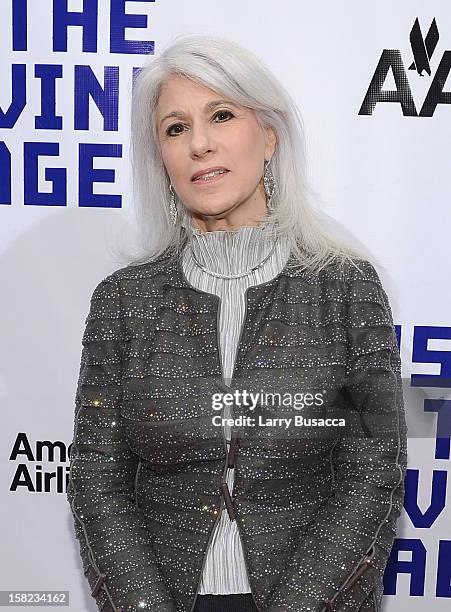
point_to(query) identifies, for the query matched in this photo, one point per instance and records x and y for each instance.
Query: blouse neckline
(231, 252)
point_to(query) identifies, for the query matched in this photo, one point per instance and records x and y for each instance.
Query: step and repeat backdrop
(374, 90)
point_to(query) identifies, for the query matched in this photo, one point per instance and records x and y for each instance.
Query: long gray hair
(233, 72)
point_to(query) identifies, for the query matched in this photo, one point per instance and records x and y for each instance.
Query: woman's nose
(201, 140)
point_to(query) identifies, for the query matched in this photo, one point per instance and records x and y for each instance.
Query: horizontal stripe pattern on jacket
(316, 507)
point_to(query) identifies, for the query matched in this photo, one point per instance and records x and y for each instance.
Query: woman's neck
(231, 252)
(249, 213)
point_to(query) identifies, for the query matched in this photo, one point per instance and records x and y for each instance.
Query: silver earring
(270, 184)
(173, 213)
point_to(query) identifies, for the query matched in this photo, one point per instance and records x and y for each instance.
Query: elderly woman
(191, 488)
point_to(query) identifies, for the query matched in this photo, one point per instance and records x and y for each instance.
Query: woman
(240, 296)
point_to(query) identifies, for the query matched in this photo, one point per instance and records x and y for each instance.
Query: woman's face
(204, 134)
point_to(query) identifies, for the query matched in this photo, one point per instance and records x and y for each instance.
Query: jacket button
(361, 570)
(232, 451)
(228, 501)
(98, 585)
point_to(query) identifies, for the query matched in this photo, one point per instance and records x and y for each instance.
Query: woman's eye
(171, 127)
(224, 112)
(177, 125)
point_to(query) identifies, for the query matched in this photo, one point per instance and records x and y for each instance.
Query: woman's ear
(271, 141)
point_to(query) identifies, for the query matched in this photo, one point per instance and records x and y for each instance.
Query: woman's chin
(212, 211)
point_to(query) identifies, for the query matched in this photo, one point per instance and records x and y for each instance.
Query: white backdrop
(383, 176)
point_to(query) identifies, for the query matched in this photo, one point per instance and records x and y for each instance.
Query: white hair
(233, 72)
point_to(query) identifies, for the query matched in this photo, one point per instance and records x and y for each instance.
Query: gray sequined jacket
(316, 507)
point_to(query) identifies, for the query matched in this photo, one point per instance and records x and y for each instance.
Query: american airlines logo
(423, 49)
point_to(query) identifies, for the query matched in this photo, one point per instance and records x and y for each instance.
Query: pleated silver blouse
(231, 253)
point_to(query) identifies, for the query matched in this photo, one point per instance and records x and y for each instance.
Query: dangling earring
(173, 213)
(270, 184)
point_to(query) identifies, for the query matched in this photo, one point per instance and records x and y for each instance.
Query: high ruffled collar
(231, 252)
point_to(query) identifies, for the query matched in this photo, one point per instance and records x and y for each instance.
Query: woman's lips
(213, 179)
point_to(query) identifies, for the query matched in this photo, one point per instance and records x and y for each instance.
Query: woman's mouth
(210, 177)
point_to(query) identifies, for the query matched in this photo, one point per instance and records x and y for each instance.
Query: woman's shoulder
(357, 269)
(351, 280)
(343, 271)
(145, 269)
(130, 275)
(137, 271)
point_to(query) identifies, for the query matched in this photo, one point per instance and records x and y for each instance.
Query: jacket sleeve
(343, 554)
(117, 556)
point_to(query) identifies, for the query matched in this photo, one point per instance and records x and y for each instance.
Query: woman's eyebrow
(209, 106)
